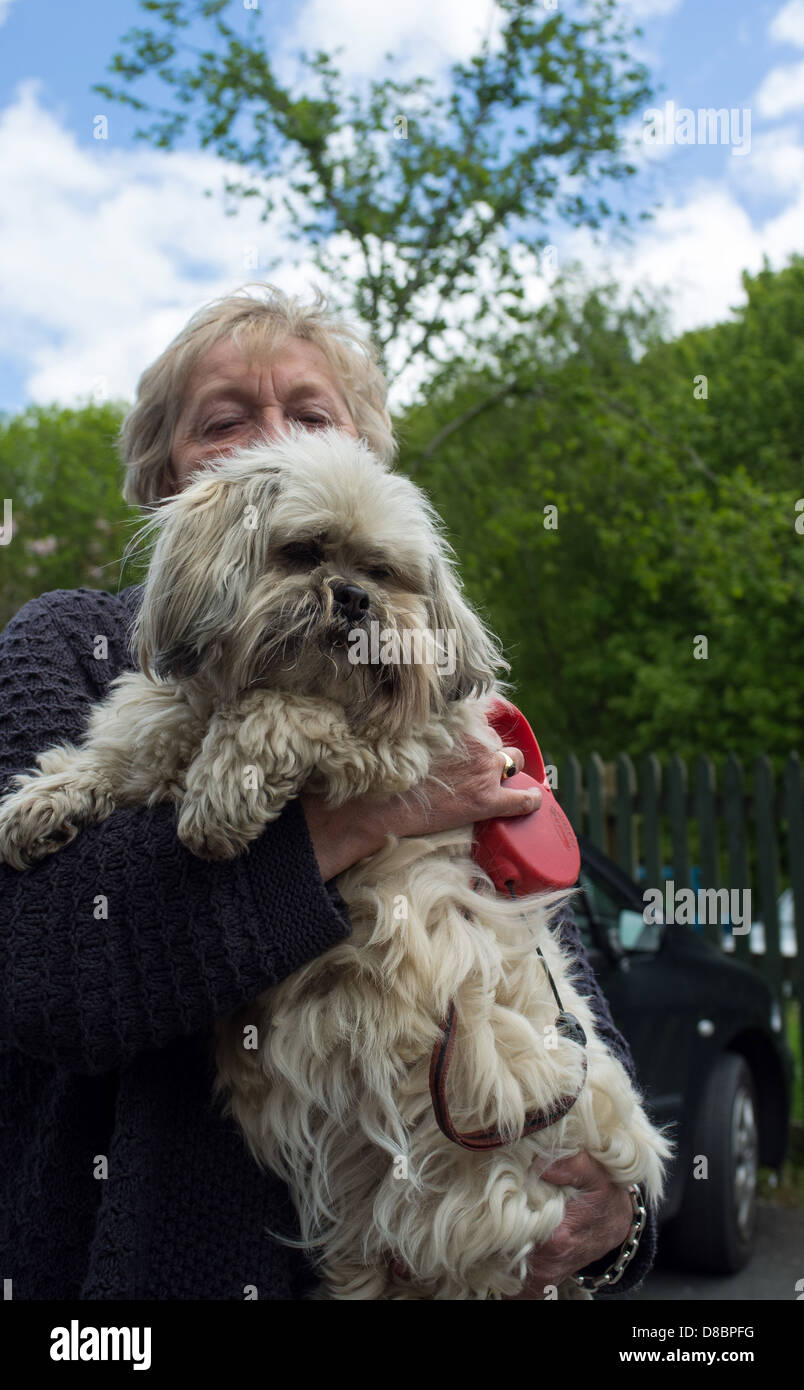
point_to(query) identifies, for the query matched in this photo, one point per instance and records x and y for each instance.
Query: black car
(706, 1036)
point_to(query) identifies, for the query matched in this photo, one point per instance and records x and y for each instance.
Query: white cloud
(5, 6)
(696, 249)
(112, 250)
(651, 9)
(787, 25)
(423, 35)
(776, 165)
(781, 91)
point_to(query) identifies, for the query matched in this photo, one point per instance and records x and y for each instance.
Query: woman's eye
(218, 425)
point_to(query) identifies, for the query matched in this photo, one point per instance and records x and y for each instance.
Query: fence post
(794, 807)
(626, 786)
(677, 811)
(650, 788)
(571, 793)
(595, 781)
(767, 875)
(734, 818)
(707, 839)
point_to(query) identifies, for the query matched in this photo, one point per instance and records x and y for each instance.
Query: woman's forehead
(287, 363)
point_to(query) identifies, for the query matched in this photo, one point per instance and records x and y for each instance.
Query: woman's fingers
(511, 801)
(515, 755)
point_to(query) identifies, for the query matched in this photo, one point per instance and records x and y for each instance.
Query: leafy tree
(753, 366)
(411, 199)
(70, 523)
(655, 543)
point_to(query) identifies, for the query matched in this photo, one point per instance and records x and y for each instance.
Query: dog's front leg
(246, 771)
(49, 807)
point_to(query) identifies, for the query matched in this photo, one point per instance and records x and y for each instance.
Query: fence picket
(677, 812)
(570, 792)
(650, 792)
(767, 872)
(626, 827)
(707, 841)
(734, 820)
(596, 781)
(794, 812)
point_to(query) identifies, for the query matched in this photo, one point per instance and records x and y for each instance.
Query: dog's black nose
(353, 600)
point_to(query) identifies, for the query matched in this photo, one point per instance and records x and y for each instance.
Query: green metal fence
(738, 828)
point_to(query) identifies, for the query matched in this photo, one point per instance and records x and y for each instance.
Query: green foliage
(676, 519)
(429, 189)
(70, 525)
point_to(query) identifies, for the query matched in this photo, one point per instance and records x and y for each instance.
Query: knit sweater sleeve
(583, 979)
(123, 940)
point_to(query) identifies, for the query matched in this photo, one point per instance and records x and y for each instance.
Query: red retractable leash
(523, 854)
(527, 854)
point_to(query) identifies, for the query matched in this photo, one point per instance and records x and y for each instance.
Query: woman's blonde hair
(257, 317)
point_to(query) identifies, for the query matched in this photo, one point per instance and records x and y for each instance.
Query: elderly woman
(118, 953)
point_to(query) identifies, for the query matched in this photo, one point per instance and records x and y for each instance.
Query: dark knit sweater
(119, 1179)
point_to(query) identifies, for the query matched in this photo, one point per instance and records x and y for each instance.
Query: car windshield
(615, 913)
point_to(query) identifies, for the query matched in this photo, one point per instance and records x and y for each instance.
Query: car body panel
(679, 1007)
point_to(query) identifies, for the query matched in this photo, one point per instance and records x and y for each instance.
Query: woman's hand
(475, 791)
(595, 1223)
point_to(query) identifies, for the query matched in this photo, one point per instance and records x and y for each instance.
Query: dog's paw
(30, 829)
(208, 839)
(210, 836)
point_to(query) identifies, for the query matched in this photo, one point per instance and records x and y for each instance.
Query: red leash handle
(526, 854)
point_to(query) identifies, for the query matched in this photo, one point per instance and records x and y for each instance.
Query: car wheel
(714, 1228)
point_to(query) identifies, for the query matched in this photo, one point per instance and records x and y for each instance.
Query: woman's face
(228, 404)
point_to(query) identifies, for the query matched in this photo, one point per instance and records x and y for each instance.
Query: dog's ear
(178, 662)
(478, 654)
(212, 541)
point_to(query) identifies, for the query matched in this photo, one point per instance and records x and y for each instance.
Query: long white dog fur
(246, 694)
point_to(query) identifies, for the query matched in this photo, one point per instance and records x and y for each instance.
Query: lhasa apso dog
(273, 575)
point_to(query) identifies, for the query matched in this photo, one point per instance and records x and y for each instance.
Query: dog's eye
(301, 553)
(380, 572)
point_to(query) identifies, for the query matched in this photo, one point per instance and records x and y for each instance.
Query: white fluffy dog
(264, 569)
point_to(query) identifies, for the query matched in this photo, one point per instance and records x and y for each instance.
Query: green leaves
(666, 529)
(70, 524)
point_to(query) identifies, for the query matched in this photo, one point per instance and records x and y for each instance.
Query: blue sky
(107, 246)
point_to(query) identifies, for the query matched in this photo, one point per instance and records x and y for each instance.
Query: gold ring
(510, 767)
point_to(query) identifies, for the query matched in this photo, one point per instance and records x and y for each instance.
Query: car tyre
(715, 1226)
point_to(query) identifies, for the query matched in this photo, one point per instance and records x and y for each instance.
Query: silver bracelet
(627, 1251)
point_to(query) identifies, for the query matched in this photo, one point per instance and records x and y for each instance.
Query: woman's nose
(271, 423)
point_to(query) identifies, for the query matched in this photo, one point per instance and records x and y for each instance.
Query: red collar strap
(481, 1138)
